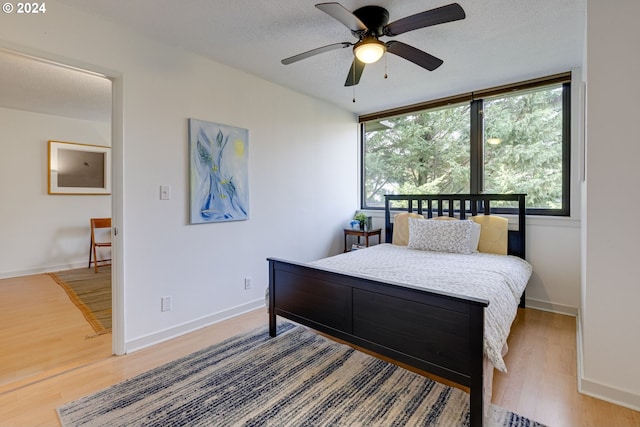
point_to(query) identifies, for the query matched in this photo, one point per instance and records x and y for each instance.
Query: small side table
(361, 233)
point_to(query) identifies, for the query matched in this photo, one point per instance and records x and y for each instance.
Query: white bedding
(500, 279)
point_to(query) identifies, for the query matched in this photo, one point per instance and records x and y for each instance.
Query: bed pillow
(440, 236)
(475, 231)
(401, 227)
(494, 234)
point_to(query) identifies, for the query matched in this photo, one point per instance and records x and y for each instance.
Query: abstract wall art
(219, 169)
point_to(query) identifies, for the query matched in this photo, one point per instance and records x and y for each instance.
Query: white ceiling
(34, 85)
(499, 42)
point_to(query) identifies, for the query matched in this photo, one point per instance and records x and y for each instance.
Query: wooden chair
(96, 225)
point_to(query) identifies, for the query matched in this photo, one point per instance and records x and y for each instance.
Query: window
(514, 141)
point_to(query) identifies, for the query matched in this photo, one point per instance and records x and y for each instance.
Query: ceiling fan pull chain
(385, 65)
(354, 86)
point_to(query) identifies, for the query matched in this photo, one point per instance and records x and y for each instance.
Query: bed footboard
(433, 331)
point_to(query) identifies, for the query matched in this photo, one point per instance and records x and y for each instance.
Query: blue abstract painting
(219, 172)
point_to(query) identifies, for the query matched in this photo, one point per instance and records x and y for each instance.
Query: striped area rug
(296, 379)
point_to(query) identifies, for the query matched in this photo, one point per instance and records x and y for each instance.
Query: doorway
(44, 332)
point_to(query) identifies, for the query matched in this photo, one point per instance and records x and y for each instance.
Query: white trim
(551, 307)
(117, 216)
(579, 360)
(598, 390)
(552, 221)
(538, 220)
(56, 59)
(185, 328)
(609, 394)
(42, 270)
(117, 171)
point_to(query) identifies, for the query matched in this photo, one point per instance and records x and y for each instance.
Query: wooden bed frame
(433, 331)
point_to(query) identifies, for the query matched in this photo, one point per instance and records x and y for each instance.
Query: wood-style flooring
(42, 332)
(540, 384)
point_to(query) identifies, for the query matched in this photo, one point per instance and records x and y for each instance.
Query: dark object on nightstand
(361, 233)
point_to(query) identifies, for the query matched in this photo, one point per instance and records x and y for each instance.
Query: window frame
(476, 143)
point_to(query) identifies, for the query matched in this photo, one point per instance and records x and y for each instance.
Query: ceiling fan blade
(340, 13)
(355, 72)
(414, 55)
(316, 51)
(440, 15)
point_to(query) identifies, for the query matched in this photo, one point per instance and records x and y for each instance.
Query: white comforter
(499, 279)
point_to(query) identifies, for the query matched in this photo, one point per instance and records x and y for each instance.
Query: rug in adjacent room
(298, 378)
(90, 292)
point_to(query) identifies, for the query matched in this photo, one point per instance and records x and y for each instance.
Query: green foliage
(429, 151)
(360, 217)
(529, 157)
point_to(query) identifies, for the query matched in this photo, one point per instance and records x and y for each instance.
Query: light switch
(165, 192)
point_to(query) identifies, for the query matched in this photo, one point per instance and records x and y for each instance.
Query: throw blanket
(499, 279)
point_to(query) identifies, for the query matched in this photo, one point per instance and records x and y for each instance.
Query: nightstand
(359, 234)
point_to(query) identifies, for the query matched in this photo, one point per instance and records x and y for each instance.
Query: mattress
(499, 279)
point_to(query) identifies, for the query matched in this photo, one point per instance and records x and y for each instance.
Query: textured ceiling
(38, 86)
(500, 41)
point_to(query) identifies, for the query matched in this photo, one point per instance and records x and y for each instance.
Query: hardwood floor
(35, 404)
(43, 333)
(541, 382)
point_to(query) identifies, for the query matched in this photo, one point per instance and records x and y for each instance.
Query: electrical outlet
(166, 303)
(247, 283)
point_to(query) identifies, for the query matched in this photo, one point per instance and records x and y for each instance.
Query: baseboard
(176, 331)
(552, 307)
(579, 360)
(598, 390)
(609, 394)
(41, 270)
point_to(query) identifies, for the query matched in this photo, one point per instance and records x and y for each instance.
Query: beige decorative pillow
(494, 234)
(445, 218)
(401, 227)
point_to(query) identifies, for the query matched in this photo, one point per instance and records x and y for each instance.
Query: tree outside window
(522, 141)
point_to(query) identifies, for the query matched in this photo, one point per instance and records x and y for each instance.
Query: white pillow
(475, 231)
(475, 236)
(440, 236)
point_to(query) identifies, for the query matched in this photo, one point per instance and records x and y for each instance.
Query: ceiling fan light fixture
(368, 23)
(369, 50)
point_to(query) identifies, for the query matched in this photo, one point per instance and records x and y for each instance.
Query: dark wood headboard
(460, 206)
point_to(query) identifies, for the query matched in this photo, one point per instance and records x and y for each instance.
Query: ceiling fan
(369, 23)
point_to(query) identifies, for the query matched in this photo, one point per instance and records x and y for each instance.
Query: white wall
(553, 249)
(553, 243)
(41, 232)
(611, 287)
(303, 180)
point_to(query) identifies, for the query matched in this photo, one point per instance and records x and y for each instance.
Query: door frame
(117, 184)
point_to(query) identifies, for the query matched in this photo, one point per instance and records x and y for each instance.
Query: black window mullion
(476, 152)
(566, 148)
(363, 172)
(477, 149)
